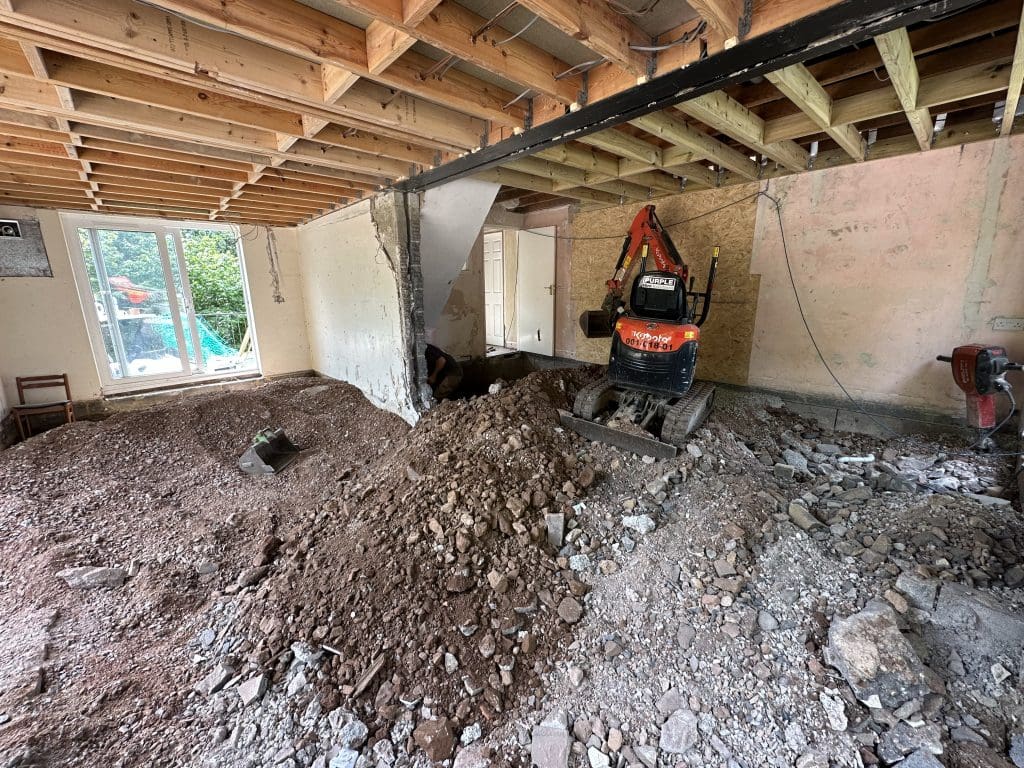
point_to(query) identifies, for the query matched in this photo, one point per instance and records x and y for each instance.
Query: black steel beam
(821, 33)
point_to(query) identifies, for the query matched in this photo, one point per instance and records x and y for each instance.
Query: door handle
(538, 334)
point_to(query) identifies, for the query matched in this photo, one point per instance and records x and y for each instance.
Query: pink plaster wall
(895, 261)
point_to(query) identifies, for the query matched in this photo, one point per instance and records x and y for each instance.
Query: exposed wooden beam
(898, 56)
(451, 28)
(520, 180)
(580, 157)
(112, 81)
(382, 146)
(384, 44)
(725, 114)
(622, 144)
(800, 87)
(415, 11)
(598, 27)
(1016, 81)
(933, 92)
(679, 133)
(723, 15)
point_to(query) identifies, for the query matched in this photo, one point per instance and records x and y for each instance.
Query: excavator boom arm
(647, 239)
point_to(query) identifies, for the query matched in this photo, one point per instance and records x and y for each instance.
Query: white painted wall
(43, 330)
(280, 325)
(42, 327)
(353, 313)
(451, 219)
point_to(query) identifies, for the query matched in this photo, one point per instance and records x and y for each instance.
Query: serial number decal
(651, 341)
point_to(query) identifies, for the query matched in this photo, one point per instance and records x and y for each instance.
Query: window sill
(133, 389)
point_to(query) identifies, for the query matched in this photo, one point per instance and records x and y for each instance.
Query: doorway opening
(519, 291)
(165, 302)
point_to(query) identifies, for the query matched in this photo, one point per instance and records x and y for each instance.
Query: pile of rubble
(487, 589)
(770, 618)
(415, 604)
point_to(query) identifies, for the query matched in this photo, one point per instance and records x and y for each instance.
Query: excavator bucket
(271, 451)
(596, 324)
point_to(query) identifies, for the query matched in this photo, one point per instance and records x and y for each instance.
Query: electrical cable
(666, 226)
(635, 13)
(580, 68)
(509, 39)
(689, 37)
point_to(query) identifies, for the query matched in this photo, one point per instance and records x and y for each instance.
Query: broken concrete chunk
(554, 522)
(920, 592)
(253, 689)
(436, 738)
(875, 658)
(978, 615)
(679, 733)
(215, 680)
(569, 610)
(921, 759)
(639, 523)
(801, 517)
(550, 744)
(91, 577)
(901, 740)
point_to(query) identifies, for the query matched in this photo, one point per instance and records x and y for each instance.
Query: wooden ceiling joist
(1014, 86)
(723, 113)
(700, 144)
(894, 48)
(800, 87)
(273, 111)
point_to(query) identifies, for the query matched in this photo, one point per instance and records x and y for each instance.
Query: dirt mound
(156, 493)
(428, 575)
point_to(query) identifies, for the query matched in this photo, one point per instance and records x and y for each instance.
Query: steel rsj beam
(840, 25)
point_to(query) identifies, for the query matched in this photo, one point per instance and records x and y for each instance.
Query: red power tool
(979, 370)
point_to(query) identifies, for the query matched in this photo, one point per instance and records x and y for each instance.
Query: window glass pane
(135, 281)
(218, 296)
(102, 302)
(179, 292)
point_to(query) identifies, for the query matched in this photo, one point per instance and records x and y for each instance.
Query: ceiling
(276, 111)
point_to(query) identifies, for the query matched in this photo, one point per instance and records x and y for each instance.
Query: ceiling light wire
(579, 69)
(529, 24)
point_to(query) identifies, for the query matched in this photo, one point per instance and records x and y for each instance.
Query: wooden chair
(24, 411)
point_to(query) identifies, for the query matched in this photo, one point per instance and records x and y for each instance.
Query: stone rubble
(492, 590)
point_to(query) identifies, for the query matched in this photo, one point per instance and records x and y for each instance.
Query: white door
(535, 293)
(494, 289)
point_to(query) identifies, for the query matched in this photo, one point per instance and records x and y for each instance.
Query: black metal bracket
(835, 27)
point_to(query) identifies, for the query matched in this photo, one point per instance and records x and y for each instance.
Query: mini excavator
(650, 380)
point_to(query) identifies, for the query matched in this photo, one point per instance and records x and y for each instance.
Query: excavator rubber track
(688, 413)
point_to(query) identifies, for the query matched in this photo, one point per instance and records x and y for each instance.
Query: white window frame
(72, 222)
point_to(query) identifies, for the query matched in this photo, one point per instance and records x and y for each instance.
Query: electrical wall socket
(1008, 324)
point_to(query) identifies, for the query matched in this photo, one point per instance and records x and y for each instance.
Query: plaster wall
(43, 327)
(353, 308)
(461, 330)
(279, 316)
(451, 220)
(895, 261)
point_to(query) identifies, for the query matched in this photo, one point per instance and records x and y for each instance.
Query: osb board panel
(727, 336)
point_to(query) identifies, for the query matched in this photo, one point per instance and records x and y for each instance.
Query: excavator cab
(654, 348)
